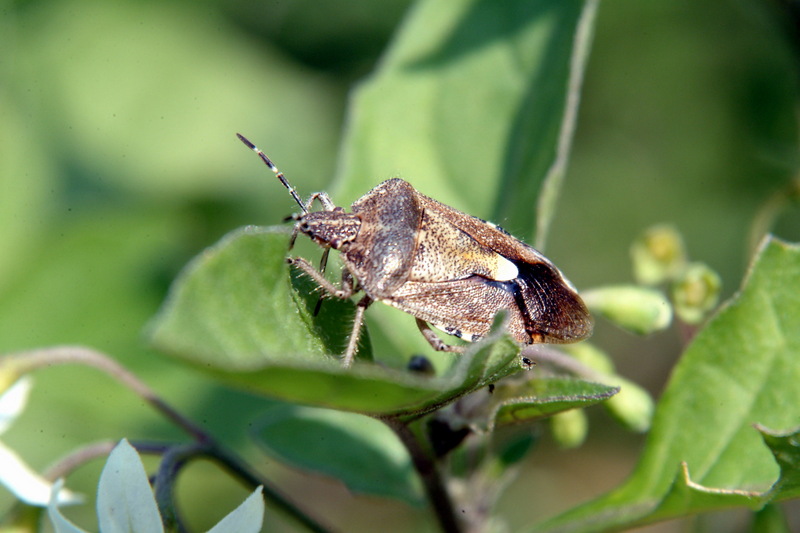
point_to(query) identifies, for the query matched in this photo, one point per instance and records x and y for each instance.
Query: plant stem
(431, 478)
(65, 465)
(33, 359)
(236, 466)
(541, 353)
(23, 362)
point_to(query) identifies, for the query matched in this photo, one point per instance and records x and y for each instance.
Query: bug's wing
(487, 234)
(541, 308)
(459, 307)
(552, 311)
(549, 307)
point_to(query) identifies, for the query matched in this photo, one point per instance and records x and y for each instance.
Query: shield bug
(448, 269)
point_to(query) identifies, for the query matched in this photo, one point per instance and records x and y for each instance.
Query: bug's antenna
(273, 168)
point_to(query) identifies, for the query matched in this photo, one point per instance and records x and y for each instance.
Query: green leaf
(125, 502)
(473, 104)
(741, 369)
(489, 361)
(234, 308)
(361, 452)
(786, 449)
(470, 102)
(686, 496)
(534, 399)
(770, 519)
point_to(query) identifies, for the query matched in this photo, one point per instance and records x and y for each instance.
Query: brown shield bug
(444, 267)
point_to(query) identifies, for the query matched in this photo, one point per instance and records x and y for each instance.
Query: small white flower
(15, 475)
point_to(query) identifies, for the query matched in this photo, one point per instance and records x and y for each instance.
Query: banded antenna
(274, 169)
(323, 198)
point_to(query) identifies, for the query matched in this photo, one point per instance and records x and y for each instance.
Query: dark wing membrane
(464, 308)
(553, 310)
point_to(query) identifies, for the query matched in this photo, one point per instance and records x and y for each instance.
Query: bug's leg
(293, 238)
(345, 291)
(323, 262)
(323, 198)
(358, 322)
(327, 205)
(433, 339)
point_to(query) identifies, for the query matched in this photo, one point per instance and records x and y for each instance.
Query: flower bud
(695, 292)
(638, 309)
(658, 255)
(591, 356)
(569, 428)
(632, 406)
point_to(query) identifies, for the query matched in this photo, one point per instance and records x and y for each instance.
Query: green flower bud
(591, 356)
(632, 406)
(638, 309)
(695, 292)
(658, 255)
(569, 428)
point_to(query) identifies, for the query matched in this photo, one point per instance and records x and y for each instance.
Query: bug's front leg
(343, 292)
(323, 199)
(349, 286)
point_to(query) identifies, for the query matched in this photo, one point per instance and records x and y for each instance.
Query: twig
(23, 362)
(541, 353)
(33, 359)
(236, 466)
(426, 468)
(83, 455)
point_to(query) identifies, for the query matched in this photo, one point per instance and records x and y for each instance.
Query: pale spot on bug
(505, 270)
(392, 263)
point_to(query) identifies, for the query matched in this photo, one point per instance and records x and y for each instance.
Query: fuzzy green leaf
(361, 452)
(703, 452)
(538, 398)
(233, 308)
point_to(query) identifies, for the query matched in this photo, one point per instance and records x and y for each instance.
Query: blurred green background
(118, 163)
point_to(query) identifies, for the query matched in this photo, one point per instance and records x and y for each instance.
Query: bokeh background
(118, 163)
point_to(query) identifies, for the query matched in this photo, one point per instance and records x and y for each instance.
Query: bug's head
(334, 228)
(331, 227)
